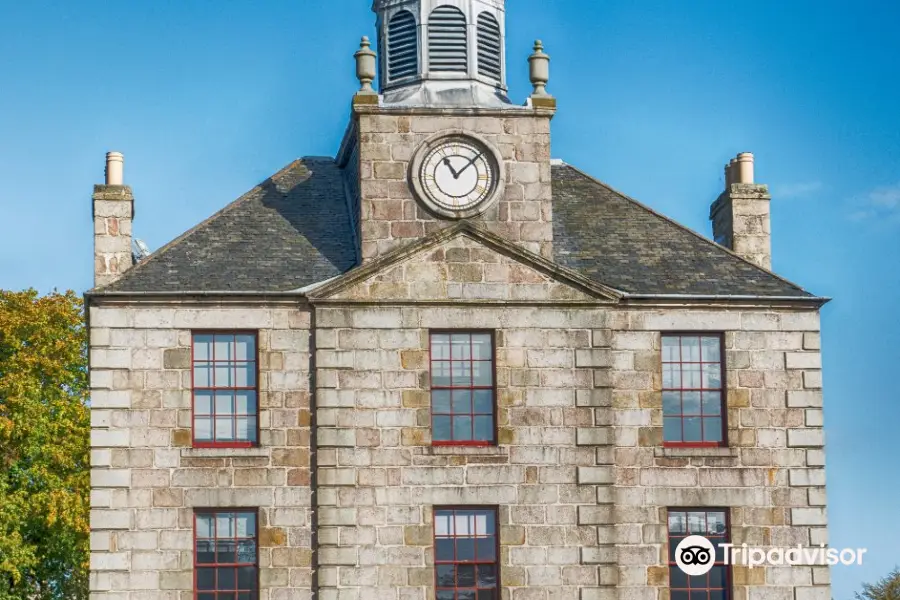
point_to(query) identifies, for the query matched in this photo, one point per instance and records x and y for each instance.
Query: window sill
(223, 452)
(467, 450)
(687, 452)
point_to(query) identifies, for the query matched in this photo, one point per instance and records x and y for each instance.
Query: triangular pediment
(463, 263)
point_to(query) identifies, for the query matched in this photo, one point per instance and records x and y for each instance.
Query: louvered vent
(447, 50)
(489, 47)
(403, 48)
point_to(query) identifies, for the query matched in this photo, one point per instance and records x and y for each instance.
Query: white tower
(442, 52)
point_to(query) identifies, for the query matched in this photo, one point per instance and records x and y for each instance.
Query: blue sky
(207, 99)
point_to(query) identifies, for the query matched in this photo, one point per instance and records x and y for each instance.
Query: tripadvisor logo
(695, 555)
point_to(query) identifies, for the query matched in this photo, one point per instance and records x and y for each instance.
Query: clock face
(458, 173)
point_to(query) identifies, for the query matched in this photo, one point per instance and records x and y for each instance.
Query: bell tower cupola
(442, 52)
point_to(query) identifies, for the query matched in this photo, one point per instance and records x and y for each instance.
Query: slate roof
(613, 239)
(290, 231)
(294, 230)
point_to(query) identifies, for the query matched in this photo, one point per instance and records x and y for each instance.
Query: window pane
(224, 428)
(442, 524)
(440, 373)
(690, 402)
(247, 578)
(710, 349)
(227, 578)
(245, 525)
(204, 526)
(202, 375)
(246, 551)
(671, 376)
(672, 429)
(465, 595)
(712, 403)
(445, 595)
(484, 428)
(245, 375)
(677, 523)
(484, 402)
(246, 429)
(717, 577)
(690, 376)
(245, 402)
(224, 375)
(712, 430)
(690, 349)
(486, 548)
(693, 431)
(206, 552)
(206, 597)
(671, 403)
(462, 428)
(440, 347)
(245, 348)
(487, 594)
(487, 575)
(462, 401)
(203, 403)
(461, 346)
(440, 401)
(224, 403)
(679, 594)
(446, 575)
(224, 526)
(226, 596)
(202, 346)
(202, 428)
(443, 549)
(440, 429)
(481, 346)
(716, 523)
(677, 577)
(226, 552)
(696, 523)
(461, 373)
(699, 595)
(223, 349)
(482, 373)
(206, 579)
(712, 377)
(671, 349)
(465, 549)
(465, 576)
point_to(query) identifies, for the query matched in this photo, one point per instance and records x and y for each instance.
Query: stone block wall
(380, 478)
(770, 478)
(147, 480)
(741, 222)
(391, 217)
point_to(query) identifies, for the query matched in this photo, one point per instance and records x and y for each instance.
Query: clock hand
(452, 170)
(471, 162)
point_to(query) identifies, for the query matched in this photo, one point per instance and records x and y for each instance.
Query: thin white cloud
(796, 190)
(881, 204)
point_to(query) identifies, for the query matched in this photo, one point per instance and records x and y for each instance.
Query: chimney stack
(740, 215)
(113, 209)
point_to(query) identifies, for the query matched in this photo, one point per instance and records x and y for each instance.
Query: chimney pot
(745, 167)
(114, 166)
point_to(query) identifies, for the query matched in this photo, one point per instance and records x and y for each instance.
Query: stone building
(444, 366)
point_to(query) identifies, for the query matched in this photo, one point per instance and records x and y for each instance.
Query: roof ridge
(684, 228)
(245, 197)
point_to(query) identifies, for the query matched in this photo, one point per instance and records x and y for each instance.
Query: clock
(457, 175)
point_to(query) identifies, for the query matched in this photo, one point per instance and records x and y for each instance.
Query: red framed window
(462, 388)
(465, 553)
(225, 389)
(226, 559)
(693, 392)
(713, 525)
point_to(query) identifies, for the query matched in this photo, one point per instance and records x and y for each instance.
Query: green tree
(44, 447)
(887, 588)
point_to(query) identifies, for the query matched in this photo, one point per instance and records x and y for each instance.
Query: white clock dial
(457, 174)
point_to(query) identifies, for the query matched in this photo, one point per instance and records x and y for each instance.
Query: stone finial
(365, 66)
(114, 165)
(540, 69)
